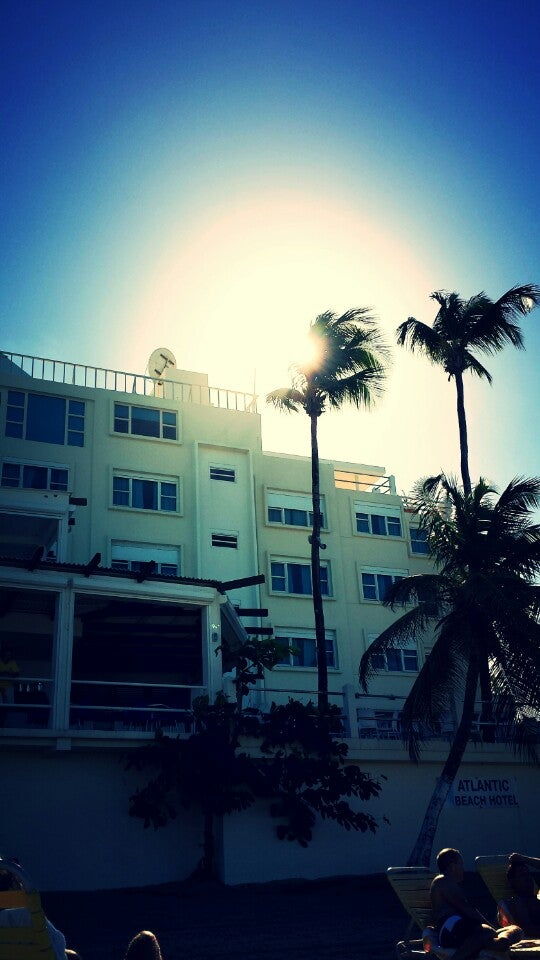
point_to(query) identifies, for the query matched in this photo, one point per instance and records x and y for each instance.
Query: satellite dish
(159, 361)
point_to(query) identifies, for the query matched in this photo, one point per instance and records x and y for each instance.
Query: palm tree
(463, 328)
(350, 367)
(485, 604)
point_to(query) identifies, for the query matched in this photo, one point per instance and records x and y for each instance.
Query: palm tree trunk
(320, 636)
(463, 443)
(486, 713)
(421, 852)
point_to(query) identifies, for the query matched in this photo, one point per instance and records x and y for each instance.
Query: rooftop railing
(364, 482)
(100, 378)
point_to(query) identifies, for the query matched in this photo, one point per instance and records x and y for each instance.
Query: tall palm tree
(349, 367)
(485, 604)
(463, 328)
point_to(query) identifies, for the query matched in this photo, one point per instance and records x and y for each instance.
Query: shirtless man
(458, 924)
(524, 905)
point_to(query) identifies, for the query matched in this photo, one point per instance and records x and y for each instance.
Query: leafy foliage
(293, 758)
(463, 328)
(484, 605)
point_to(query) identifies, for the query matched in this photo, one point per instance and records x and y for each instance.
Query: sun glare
(236, 295)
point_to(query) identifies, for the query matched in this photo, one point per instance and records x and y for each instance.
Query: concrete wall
(252, 853)
(65, 817)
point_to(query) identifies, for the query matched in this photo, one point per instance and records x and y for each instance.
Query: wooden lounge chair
(493, 872)
(412, 886)
(23, 943)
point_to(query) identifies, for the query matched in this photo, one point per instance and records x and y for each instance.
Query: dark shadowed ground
(336, 919)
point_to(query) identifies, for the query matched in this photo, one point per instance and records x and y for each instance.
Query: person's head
(450, 862)
(520, 879)
(143, 947)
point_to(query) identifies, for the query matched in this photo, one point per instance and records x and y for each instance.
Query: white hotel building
(136, 512)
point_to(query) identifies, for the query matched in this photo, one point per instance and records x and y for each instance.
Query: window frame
(372, 510)
(128, 475)
(149, 551)
(298, 496)
(290, 634)
(377, 572)
(162, 427)
(424, 542)
(16, 428)
(304, 563)
(51, 485)
(224, 539)
(402, 651)
(222, 473)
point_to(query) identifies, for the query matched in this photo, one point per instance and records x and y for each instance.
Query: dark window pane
(384, 582)
(169, 418)
(296, 518)
(77, 407)
(378, 524)
(145, 421)
(45, 418)
(59, 479)
(121, 410)
(393, 659)
(75, 439)
(378, 661)
(362, 523)
(169, 433)
(324, 582)
(410, 660)
(121, 426)
(15, 398)
(394, 526)
(35, 478)
(299, 576)
(15, 414)
(274, 514)
(10, 474)
(368, 586)
(144, 494)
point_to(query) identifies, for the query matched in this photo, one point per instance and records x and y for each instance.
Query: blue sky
(209, 176)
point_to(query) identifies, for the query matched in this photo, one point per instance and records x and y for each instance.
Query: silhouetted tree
(349, 366)
(484, 600)
(463, 328)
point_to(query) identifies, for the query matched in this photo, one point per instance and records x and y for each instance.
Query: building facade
(137, 515)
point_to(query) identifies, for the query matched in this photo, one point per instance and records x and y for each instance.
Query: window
(225, 540)
(381, 521)
(131, 556)
(223, 473)
(142, 494)
(396, 659)
(376, 582)
(295, 578)
(34, 476)
(292, 509)
(302, 647)
(35, 416)
(419, 541)
(145, 421)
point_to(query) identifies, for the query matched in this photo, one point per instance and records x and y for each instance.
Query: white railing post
(349, 710)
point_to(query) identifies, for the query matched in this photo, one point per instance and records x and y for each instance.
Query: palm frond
(286, 398)
(421, 338)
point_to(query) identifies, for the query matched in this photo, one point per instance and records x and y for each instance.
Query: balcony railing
(364, 482)
(100, 378)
